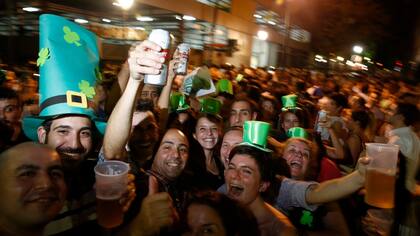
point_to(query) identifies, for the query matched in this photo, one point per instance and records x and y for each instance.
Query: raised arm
(142, 60)
(337, 150)
(163, 102)
(335, 189)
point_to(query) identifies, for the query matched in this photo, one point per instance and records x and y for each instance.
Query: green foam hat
(68, 67)
(224, 86)
(178, 102)
(210, 106)
(289, 102)
(255, 134)
(297, 132)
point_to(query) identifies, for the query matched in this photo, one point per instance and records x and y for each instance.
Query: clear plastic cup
(111, 184)
(380, 175)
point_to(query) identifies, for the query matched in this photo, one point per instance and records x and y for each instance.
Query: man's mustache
(70, 150)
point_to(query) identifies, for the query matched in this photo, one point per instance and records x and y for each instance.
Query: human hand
(144, 58)
(325, 122)
(129, 195)
(377, 222)
(157, 212)
(173, 65)
(361, 167)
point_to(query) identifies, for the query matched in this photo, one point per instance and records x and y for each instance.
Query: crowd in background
(360, 108)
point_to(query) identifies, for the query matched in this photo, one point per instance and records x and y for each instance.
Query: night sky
(404, 22)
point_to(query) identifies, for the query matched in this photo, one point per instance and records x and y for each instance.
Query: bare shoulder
(279, 222)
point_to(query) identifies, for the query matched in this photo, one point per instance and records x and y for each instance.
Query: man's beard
(70, 161)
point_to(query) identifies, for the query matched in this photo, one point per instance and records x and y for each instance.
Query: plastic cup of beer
(380, 175)
(111, 184)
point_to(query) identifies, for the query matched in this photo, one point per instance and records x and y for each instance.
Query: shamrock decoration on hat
(297, 132)
(289, 102)
(68, 66)
(255, 134)
(178, 102)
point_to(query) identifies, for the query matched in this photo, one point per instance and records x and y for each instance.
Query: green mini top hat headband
(224, 86)
(297, 132)
(68, 66)
(210, 106)
(255, 134)
(178, 102)
(289, 102)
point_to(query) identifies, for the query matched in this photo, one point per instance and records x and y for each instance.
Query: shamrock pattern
(307, 218)
(98, 73)
(85, 88)
(71, 36)
(44, 55)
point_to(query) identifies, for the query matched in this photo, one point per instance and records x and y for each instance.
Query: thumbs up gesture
(157, 212)
(153, 186)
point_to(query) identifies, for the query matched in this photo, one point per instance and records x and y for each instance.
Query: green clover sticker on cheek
(44, 54)
(70, 36)
(85, 88)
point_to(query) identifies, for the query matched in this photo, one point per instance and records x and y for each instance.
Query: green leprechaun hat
(255, 134)
(289, 102)
(297, 132)
(68, 67)
(211, 106)
(178, 102)
(224, 86)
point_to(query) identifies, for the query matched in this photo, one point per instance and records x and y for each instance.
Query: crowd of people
(269, 153)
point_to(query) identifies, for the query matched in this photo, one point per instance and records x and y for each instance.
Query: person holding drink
(380, 174)
(164, 172)
(66, 121)
(406, 213)
(111, 182)
(386, 190)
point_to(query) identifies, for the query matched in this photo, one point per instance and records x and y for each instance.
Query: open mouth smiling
(295, 164)
(173, 163)
(235, 190)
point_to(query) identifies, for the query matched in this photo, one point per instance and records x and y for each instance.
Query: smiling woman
(206, 164)
(298, 154)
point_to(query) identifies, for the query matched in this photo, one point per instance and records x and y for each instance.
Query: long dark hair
(236, 219)
(149, 163)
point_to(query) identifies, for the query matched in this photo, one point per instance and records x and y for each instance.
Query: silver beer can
(184, 51)
(161, 38)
